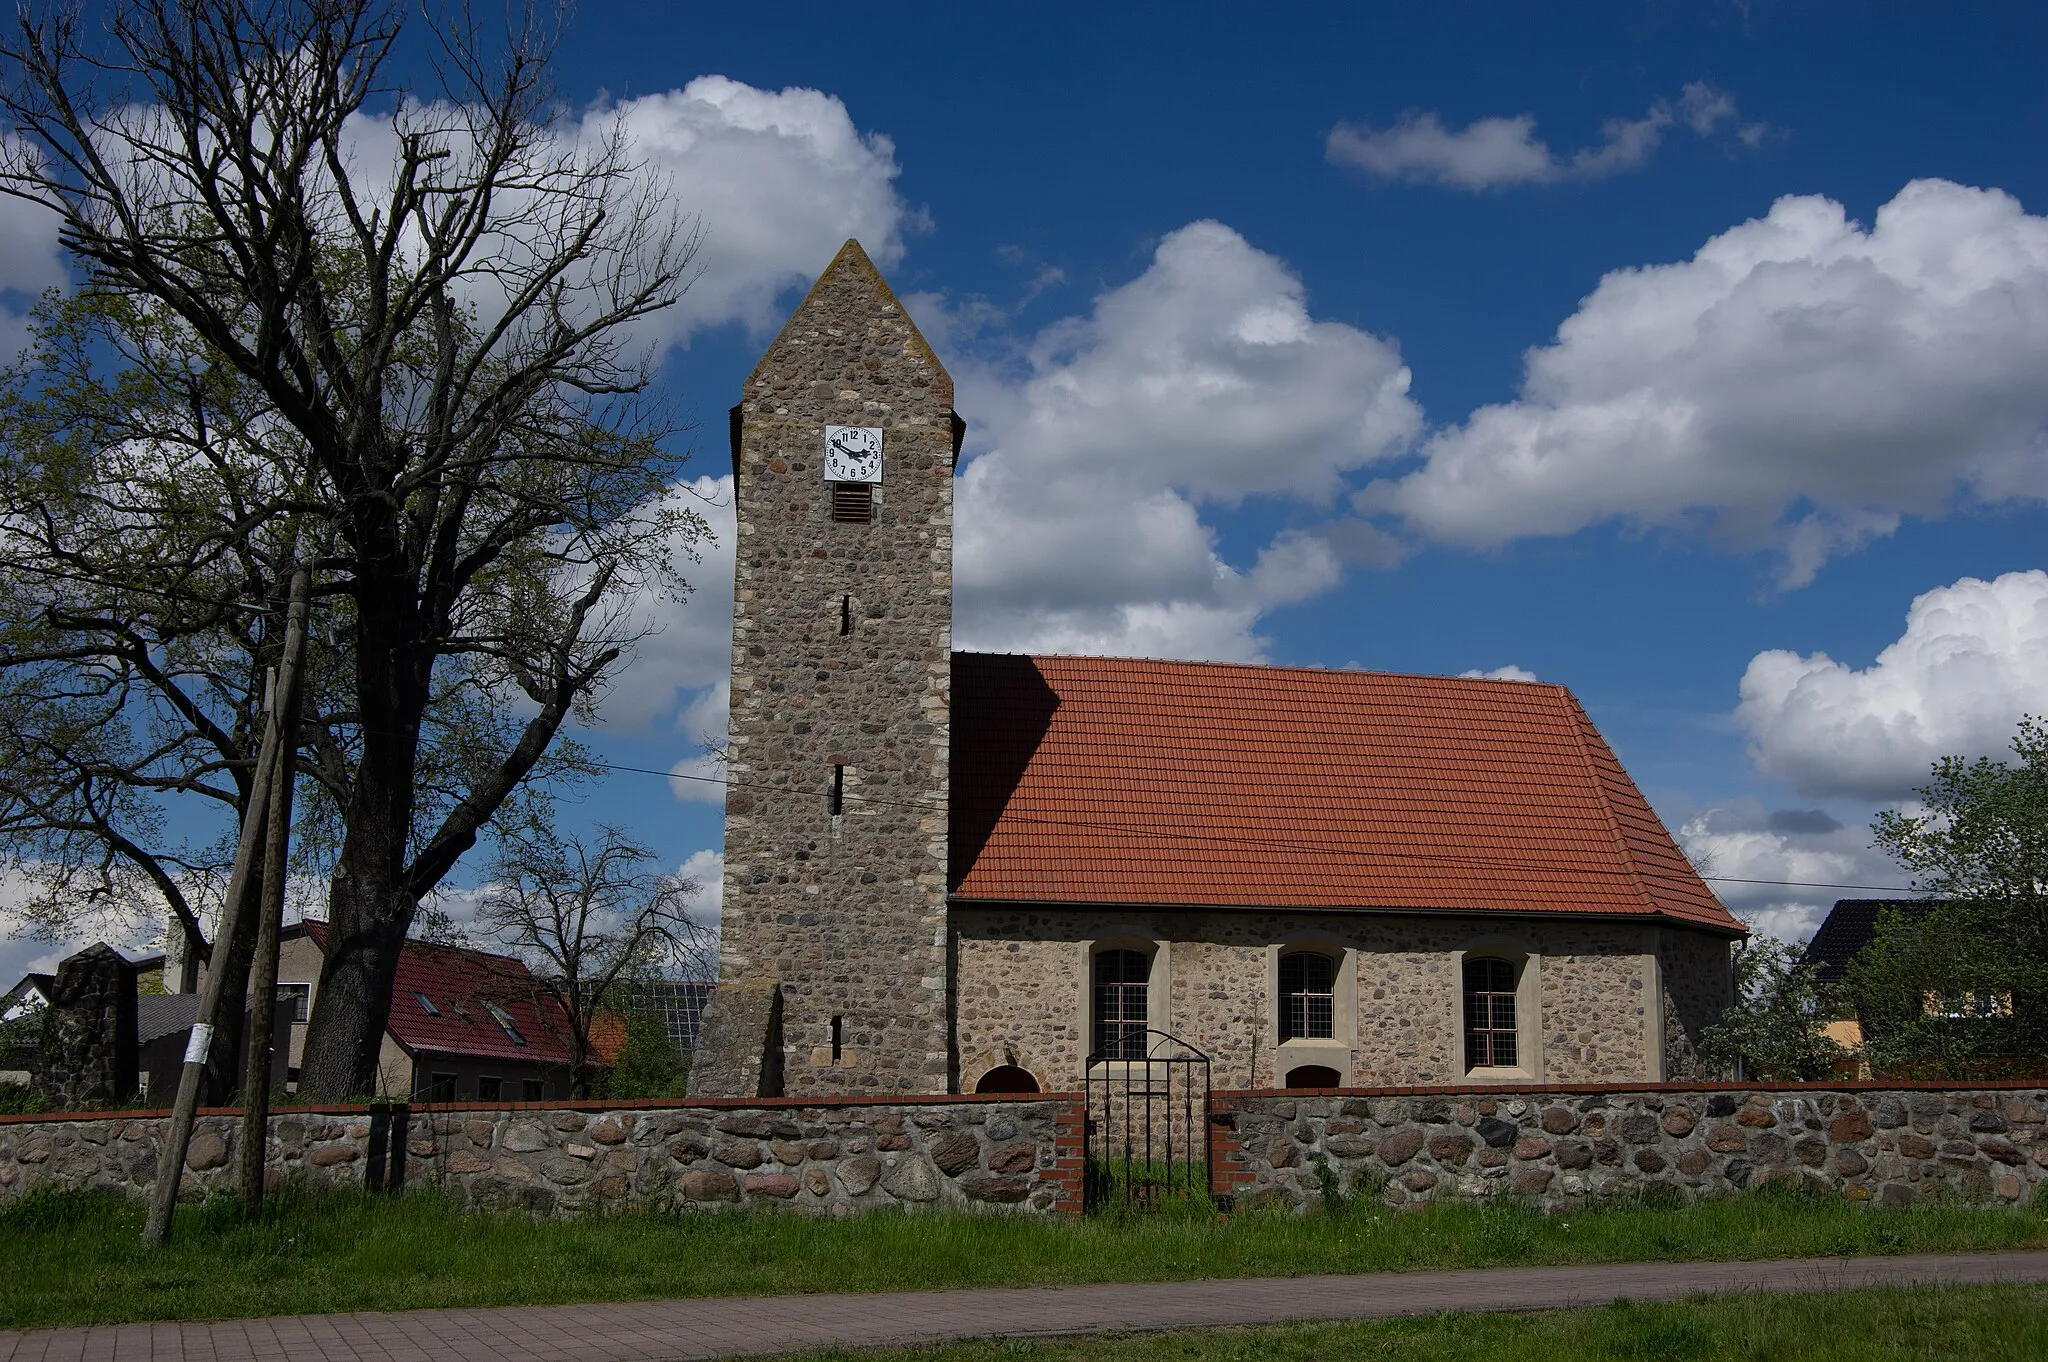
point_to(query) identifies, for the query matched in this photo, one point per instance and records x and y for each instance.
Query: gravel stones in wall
(1699, 982)
(821, 1160)
(1022, 976)
(1892, 1147)
(120, 1153)
(831, 1160)
(92, 1055)
(841, 659)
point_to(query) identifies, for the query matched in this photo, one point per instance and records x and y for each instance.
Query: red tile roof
(457, 980)
(1112, 781)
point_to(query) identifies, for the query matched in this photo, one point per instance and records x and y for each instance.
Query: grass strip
(1982, 1324)
(77, 1258)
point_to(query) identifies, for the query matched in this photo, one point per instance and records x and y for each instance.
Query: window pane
(1306, 981)
(1503, 1011)
(1120, 977)
(1490, 1039)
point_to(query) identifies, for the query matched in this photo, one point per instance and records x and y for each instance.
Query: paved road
(722, 1327)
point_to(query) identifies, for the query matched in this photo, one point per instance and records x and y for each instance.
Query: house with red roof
(465, 1025)
(961, 872)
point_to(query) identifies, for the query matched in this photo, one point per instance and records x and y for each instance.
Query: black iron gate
(1146, 1137)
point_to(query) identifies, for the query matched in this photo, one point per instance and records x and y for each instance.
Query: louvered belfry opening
(853, 503)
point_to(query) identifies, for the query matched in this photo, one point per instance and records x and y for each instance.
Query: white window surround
(1336, 1052)
(1158, 983)
(1528, 963)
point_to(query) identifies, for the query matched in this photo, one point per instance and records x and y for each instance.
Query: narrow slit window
(838, 1036)
(845, 616)
(853, 503)
(836, 803)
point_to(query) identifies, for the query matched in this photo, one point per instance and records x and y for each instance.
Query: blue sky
(1656, 349)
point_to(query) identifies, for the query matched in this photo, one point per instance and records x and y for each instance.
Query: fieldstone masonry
(841, 661)
(1614, 1002)
(1891, 1146)
(91, 1061)
(822, 1160)
(1556, 1147)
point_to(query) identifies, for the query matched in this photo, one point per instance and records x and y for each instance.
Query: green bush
(649, 1065)
(22, 1099)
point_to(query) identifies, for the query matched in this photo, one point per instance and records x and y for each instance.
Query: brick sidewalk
(726, 1326)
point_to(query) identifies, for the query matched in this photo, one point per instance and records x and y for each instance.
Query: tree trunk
(366, 931)
(370, 902)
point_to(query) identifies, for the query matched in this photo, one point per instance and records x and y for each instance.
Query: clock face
(853, 453)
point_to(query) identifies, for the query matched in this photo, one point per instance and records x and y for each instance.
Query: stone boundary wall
(837, 1159)
(1557, 1147)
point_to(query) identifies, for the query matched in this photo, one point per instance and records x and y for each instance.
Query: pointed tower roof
(848, 314)
(850, 281)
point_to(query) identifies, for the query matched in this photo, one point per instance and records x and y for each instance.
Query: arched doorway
(1007, 1078)
(1314, 1076)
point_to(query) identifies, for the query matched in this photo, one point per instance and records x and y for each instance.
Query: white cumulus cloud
(1776, 869)
(778, 180)
(706, 871)
(1802, 381)
(689, 647)
(1490, 153)
(1972, 660)
(1508, 673)
(1206, 380)
(30, 261)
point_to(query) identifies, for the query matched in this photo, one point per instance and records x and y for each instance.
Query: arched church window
(1120, 980)
(1308, 981)
(1489, 1014)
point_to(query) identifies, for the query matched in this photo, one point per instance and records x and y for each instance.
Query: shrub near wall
(1558, 1148)
(839, 1159)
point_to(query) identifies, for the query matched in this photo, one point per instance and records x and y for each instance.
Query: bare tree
(590, 921)
(395, 334)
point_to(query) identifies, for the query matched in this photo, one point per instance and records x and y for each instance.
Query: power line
(1263, 844)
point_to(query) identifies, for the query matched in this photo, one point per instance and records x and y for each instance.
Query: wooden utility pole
(270, 922)
(170, 1166)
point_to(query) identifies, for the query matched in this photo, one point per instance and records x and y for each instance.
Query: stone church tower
(833, 961)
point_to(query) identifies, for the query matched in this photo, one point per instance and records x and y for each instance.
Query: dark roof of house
(462, 986)
(164, 1014)
(1848, 928)
(33, 982)
(1113, 781)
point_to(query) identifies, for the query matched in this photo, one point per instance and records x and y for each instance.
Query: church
(956, 872)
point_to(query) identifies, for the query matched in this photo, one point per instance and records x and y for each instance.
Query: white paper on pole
(199, 1044)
